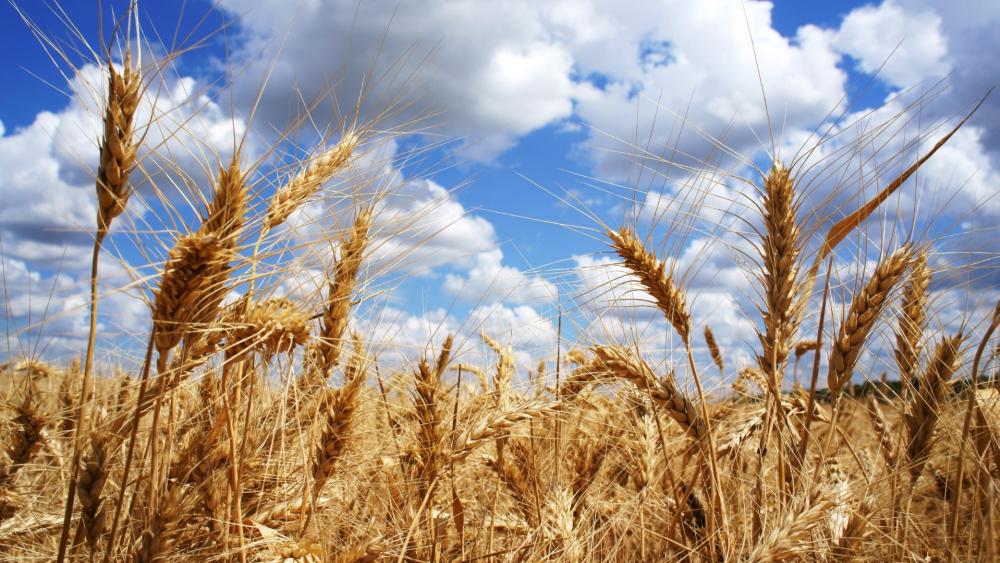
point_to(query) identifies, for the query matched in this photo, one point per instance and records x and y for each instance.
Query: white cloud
(707, 78)
(494, 70)
(630, 71)
(918, 49)
(422, 226)
(51, 310)
(490, 281)
(401, 337)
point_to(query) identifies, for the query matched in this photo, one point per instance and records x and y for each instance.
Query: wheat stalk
(117, 158)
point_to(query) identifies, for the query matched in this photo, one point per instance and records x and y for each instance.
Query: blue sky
(535, 102)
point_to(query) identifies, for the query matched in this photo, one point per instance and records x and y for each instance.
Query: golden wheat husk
(912, 318)
(304, 185)
(866, 308)
(118, 145)
(188, 288)
(784, 298)
(338, 418)
(624, 364)
(926, 404)
(713, 349)
(329, 342)
(653, 277)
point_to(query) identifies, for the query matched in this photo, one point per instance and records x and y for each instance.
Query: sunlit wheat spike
(90, 488)
(783, 291)
(925, 405)
(882, 431)
(713, 349)
(624, 364)
(159, 538)
(803, 347)
(866, 307)
(269, 327)
(24, 442)
(912, 318)
(497, 423)
(337, 419)
(188, 288)
(225, 214)
(740, 436)
(504, 373)
(652, 275)
(426, 403)
(118, 145)
(790, 539)
(338, 301)
(304, 185)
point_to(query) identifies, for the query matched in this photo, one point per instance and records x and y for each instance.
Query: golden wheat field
(253, 424)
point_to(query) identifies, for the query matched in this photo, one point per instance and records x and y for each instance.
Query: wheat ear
(926, 403)
(90, 488)
(713, 349)
(624, 364)
(866, 307)
(504, 370)
(430, 434)
(118, 146)
(269, 327)
(188, 288)
(783, 291)
(912, 318)
(653, 277)
(338, 419)
(498, 423)
(304, 185)
(327, 347)
(790, 539)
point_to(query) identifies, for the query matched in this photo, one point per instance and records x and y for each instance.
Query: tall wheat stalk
(117, 159)
(671, 300)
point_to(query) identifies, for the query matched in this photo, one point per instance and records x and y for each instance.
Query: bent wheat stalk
(117, 158)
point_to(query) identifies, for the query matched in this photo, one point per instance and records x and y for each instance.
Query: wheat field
(266, 428)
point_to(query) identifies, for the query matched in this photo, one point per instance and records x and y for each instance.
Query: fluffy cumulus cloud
(499, 70)
(495, 69)
(399, 337)
(903, 46)
(489, 280)
(969, 32)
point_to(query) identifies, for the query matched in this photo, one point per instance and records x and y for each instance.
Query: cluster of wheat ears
(204, 454)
